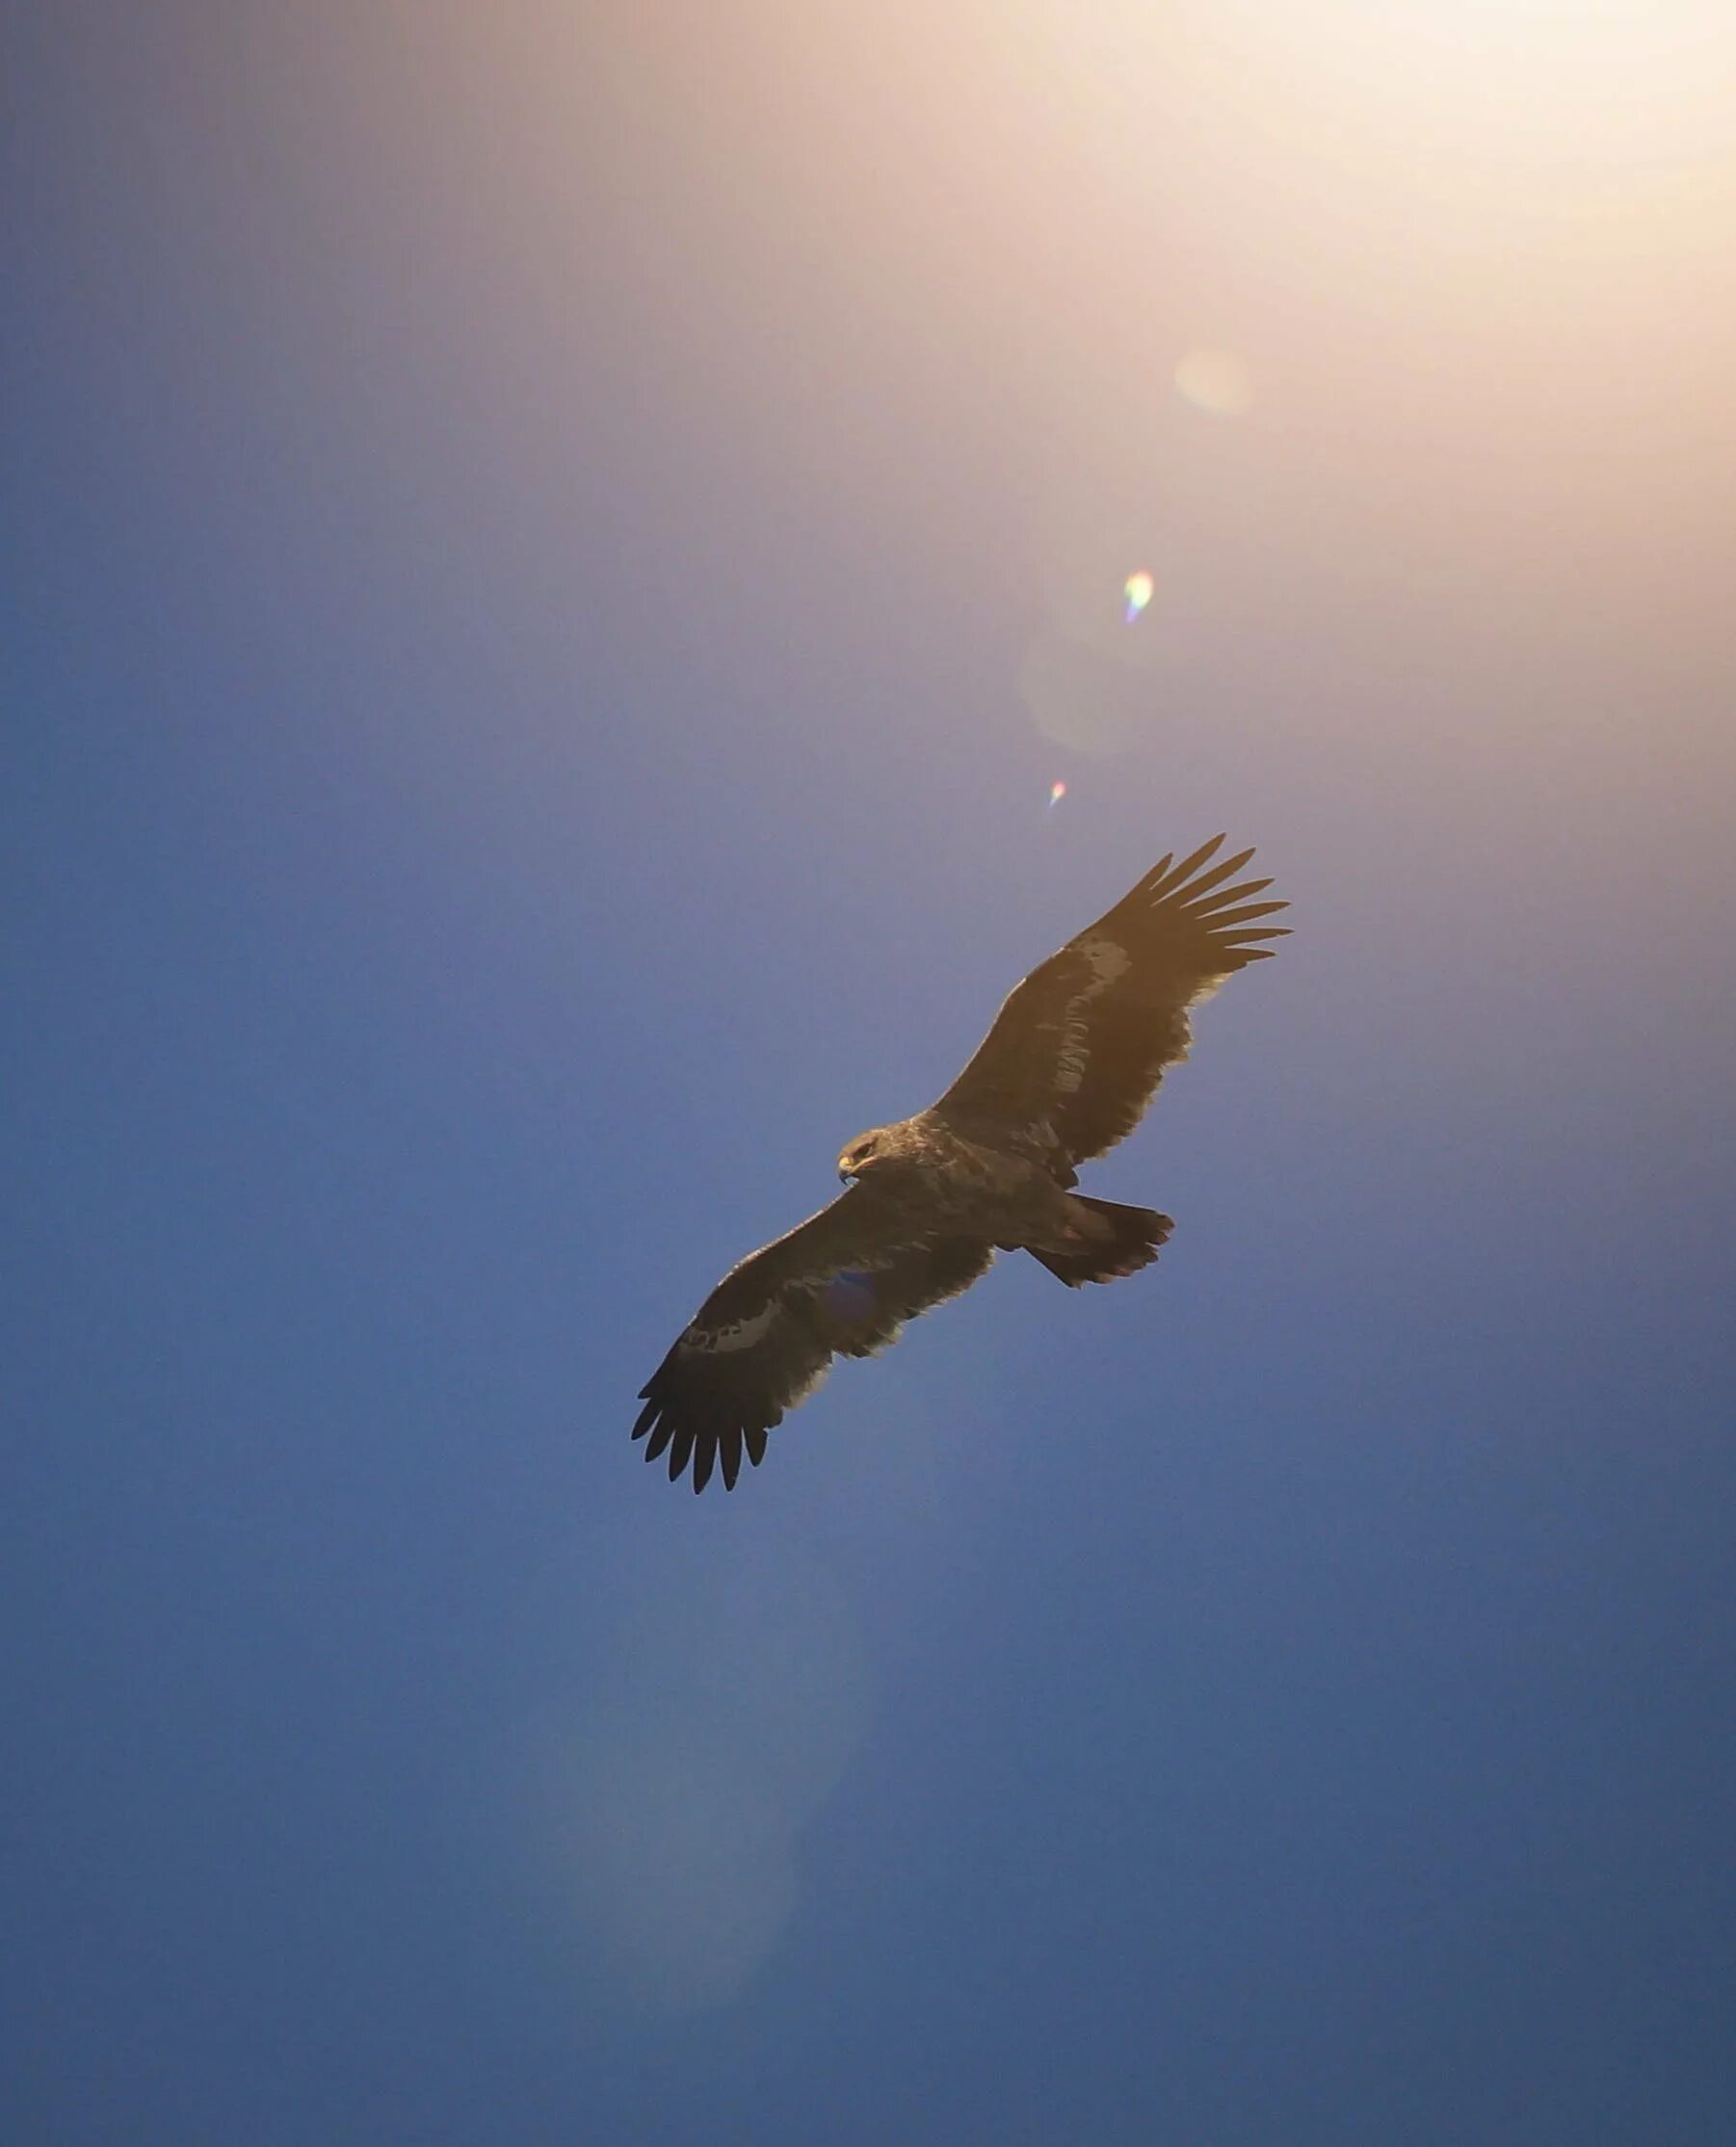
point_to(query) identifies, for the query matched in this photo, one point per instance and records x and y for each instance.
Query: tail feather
(1135, 1234)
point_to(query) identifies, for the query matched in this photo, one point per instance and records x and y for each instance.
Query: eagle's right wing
(1081, 1045)
(842, 1283)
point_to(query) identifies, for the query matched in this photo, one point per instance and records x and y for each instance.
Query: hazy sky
(553, 555)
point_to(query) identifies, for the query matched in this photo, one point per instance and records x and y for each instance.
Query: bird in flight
(1073, 1057)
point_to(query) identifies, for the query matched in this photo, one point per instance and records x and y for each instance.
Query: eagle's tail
(1134, 1235)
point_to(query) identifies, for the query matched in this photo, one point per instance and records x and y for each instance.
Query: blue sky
(551, 564)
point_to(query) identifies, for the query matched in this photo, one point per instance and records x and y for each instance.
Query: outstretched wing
(1081, 1045)
(842, 1283)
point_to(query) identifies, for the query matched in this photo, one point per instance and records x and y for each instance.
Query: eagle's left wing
(1081, 1045)
(842, 1283)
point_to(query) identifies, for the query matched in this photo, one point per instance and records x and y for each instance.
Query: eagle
(1073, 1057)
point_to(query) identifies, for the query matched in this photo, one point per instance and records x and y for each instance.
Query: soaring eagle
(1074, 1057)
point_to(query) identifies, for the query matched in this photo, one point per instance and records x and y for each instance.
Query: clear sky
(552, 558)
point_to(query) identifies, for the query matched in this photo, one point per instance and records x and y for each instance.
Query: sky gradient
(553, 558)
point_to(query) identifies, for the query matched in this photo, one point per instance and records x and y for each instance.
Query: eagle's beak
(844, 1174)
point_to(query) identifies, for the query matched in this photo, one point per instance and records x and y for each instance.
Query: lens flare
(1217, 382)
(1057, 792)
(1136, 589)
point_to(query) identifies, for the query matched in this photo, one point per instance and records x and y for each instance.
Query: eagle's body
(1067, 1069)
(937, 1172)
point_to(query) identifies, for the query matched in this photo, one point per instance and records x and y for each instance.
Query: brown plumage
(1066, 1070)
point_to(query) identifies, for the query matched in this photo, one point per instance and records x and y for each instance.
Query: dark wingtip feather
(1174, 879)
(1193, 889)
(1222, 894)
(1225, 918)
(729, 1455)
(646, 1417)
(705, 1454)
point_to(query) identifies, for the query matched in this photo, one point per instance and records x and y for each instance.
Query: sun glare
(1599, 80)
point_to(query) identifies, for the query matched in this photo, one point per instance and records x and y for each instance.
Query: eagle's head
(860, 1155)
